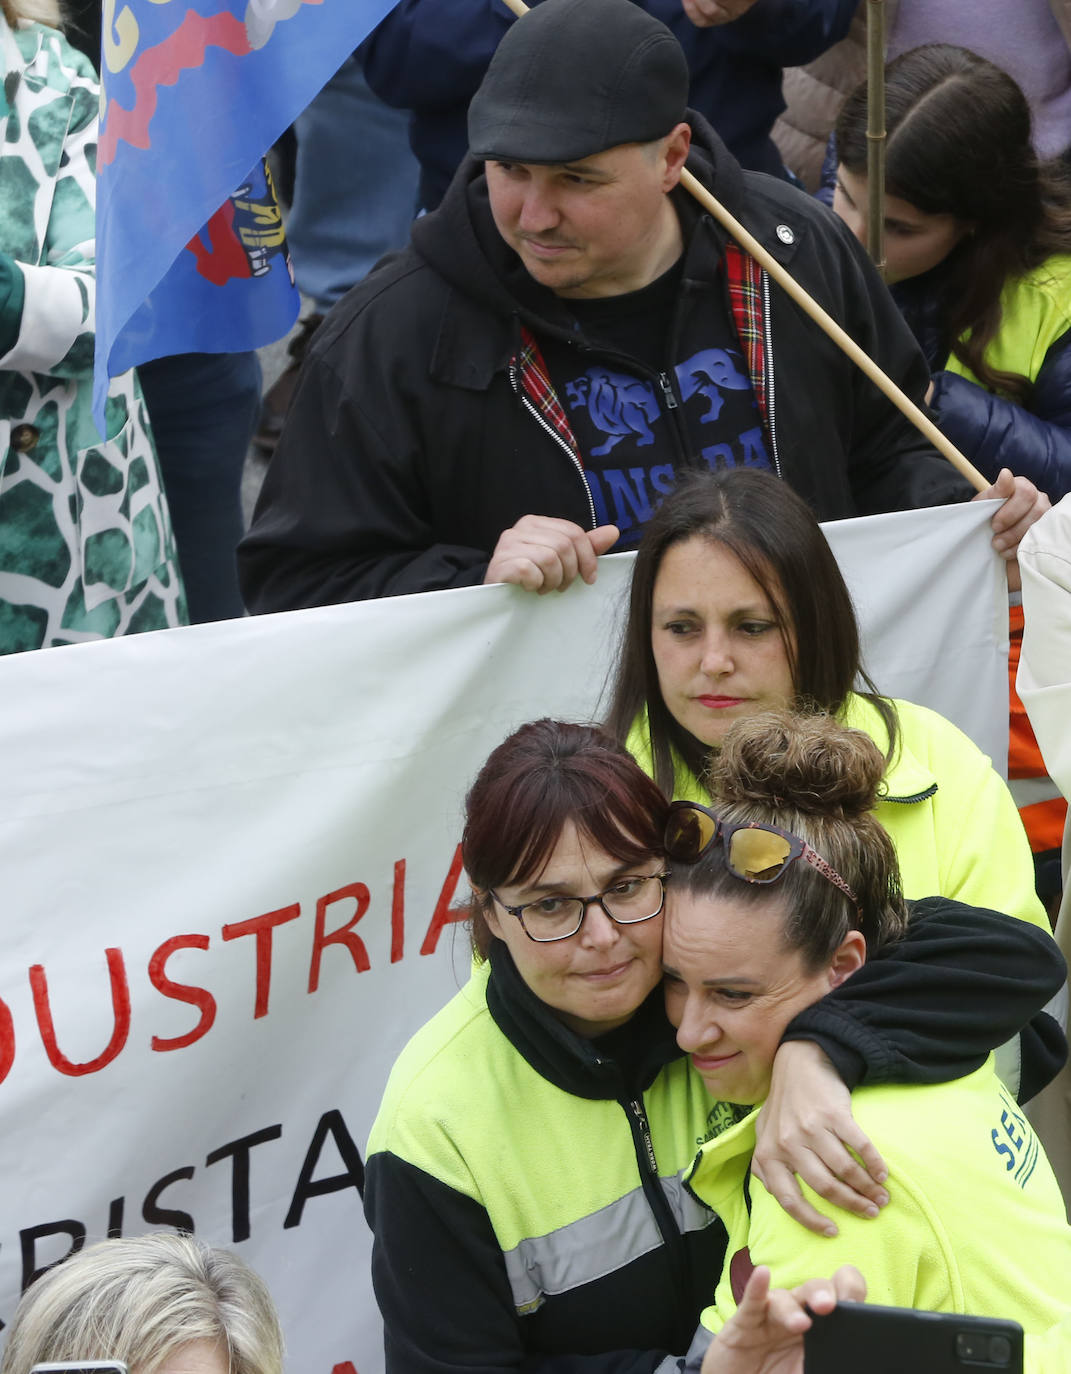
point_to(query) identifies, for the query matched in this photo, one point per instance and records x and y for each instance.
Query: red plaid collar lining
(537, 386)
(744, 277)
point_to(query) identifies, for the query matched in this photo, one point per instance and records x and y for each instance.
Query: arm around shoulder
(934, 1005)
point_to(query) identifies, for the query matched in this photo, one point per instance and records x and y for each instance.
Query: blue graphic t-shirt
(636, 430)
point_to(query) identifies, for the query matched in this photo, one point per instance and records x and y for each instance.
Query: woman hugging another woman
(524, 1179)
(782, 890)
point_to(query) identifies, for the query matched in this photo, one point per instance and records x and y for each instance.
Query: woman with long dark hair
(978, 248)
(524, 1173)
(738, 605)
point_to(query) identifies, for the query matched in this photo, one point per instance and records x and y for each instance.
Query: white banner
(229, 858)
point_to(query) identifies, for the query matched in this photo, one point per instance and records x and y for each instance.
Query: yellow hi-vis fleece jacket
(975, 1222)
(524, 1184)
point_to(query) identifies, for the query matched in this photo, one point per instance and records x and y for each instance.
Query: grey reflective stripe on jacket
(597, 1245)
(1030, 791)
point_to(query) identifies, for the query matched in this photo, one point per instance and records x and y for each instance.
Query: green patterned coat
(86, 549)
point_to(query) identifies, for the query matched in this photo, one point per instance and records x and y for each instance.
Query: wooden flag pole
(822, 318)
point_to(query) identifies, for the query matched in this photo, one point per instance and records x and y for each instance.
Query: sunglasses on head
(754, 851)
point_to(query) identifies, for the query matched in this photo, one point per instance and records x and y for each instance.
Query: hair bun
(808, 763)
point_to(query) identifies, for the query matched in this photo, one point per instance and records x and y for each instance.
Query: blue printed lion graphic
(617, 405)
(707, 373)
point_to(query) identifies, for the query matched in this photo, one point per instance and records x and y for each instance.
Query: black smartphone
(81, 1367)
(891, 1340)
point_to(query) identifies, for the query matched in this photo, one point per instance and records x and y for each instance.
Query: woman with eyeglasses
(524, 1179)
(782, 890)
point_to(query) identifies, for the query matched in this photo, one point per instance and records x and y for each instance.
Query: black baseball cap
(574, 77)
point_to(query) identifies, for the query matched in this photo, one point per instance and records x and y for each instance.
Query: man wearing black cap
(513, 394)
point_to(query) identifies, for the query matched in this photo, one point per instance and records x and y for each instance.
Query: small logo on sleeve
(1015, 1143)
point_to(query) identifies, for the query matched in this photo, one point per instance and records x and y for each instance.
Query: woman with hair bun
(524, 1178)
(785, 888)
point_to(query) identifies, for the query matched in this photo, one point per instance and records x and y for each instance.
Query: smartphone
(81, 1367)
(890, 1340)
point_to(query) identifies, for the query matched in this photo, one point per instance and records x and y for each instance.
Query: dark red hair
(547, 773)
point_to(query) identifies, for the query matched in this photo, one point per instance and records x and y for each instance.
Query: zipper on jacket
(771, 392)
(643, 1132)
(667, 391)
(686, 444)
(549, 428)
(918, 796)
(652, 1190)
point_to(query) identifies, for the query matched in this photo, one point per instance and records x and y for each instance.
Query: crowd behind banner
(236, 895)
(231, 845)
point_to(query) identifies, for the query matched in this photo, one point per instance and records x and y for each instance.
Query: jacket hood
(460, 242)
(618, 1065)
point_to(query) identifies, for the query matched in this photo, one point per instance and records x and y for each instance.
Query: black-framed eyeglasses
(627, 901)
(755, 852)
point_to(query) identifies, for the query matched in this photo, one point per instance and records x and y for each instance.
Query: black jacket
(441, 1161)
(410, 448)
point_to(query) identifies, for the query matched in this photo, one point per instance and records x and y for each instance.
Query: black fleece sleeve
(442, 1287)
(931, 1007)
(343, 512)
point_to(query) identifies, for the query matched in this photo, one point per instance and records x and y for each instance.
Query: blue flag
(191, 253)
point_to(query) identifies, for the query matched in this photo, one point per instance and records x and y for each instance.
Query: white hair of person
(140, 1299)
(35, 11)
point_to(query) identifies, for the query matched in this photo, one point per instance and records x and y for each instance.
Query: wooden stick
(829, 326)
(822, 318)
(875, 131)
